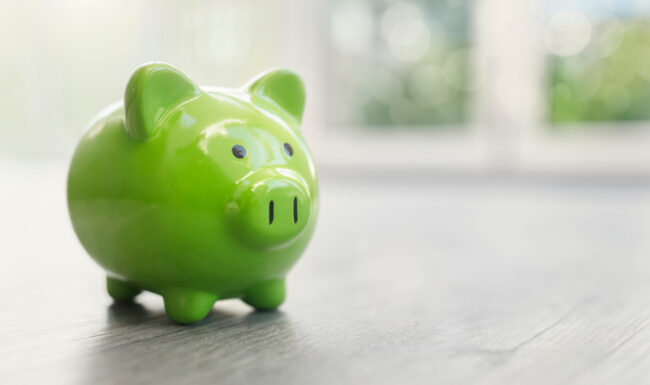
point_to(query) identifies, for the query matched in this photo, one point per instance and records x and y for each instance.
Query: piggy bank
(196, 194)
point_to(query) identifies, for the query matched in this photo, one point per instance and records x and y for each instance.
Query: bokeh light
(427, 85)
(567, 33)
(405, 31)
(608, 78)
(409, 66)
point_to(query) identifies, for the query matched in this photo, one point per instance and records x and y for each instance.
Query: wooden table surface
(410, 279)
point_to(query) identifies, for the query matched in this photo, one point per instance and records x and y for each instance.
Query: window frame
(509, 131)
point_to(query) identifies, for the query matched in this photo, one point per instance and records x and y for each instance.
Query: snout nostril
(270, 212)
(295, 210)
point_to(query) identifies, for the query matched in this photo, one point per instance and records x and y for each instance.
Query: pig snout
(270, 207)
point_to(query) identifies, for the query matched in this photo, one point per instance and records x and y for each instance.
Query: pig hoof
(187, 306)
(267, 295)
(121, 290)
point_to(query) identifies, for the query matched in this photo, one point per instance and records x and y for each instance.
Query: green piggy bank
(197, 194)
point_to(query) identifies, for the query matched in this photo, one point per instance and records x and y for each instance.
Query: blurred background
(531, 86)
(485, 191)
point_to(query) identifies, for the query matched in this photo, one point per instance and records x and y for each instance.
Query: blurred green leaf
(602, 84)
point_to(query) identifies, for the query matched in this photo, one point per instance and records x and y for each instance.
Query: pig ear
(152, 91)
(281, 89)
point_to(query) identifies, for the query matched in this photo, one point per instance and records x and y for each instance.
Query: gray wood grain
(452, 280)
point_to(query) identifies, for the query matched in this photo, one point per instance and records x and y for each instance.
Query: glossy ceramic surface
(196, 194)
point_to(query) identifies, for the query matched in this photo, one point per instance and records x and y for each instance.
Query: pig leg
(120, 290)
(187, 306)
(267, 295)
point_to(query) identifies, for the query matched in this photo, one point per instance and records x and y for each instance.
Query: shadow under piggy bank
(143, 346)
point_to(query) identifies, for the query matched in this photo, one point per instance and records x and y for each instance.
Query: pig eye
(238, 151)
(288, 149)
